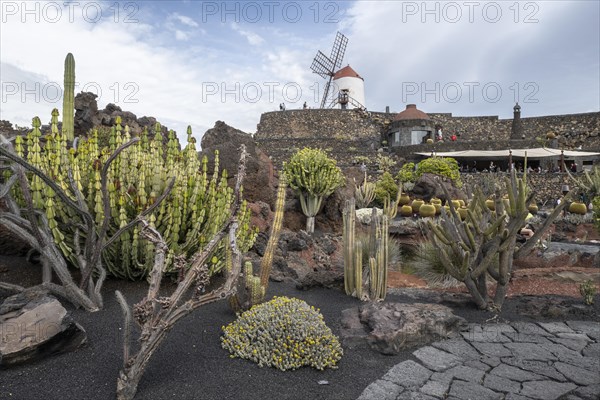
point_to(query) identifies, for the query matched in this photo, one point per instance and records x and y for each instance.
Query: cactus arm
(68, 126)
(267, 261)
(348, 221)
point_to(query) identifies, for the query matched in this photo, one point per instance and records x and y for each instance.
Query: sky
(196, 62)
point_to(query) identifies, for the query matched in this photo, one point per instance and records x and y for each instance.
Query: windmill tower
(350, 87)
(326, 66)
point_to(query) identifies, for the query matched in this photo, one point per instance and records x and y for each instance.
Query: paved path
(516, 361)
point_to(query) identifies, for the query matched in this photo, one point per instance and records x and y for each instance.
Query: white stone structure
(347, 80)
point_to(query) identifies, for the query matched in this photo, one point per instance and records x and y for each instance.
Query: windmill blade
(326, 91)
(322, 65)
(338, 50)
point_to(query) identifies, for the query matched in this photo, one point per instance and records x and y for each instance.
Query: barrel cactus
(313, 176)
(284, 333)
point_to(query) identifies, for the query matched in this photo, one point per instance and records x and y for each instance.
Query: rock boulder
(34, 325)
(390, 328)
(431, 185)
(260, 183)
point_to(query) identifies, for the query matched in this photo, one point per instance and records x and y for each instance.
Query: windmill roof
(411, 112)
(346, 72)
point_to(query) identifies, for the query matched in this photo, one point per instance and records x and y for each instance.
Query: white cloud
(180, 35)
(253, 38)
(185, 20)
(209, 74)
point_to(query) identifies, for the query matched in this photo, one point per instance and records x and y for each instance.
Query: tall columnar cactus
(193, 211)
(369, 284)
(253, 288)
(483, 245)
(313, 176)
(68, 123)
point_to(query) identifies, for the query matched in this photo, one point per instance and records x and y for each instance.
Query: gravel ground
(191, 363)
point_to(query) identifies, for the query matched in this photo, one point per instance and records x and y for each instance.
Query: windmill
(326, 66)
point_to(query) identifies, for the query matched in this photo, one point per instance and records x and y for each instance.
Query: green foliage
(589, 183)
(68, 126)
(284, 333)
(407, 173)
(384, 162)
(313, 176)
(427, 264)
(361, 160)
(587, 290)
(469, 248)
(194, 210)
(385, 188)
(443, 166)
(365, 193)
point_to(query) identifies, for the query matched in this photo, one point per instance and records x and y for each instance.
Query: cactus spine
(68, 124)
(355, 283)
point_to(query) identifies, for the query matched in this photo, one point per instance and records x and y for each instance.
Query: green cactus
(365, 193)
(68, 124)
(369, 284)
(193, 211)
(254, 288)
(483, 246)
(587, 290)
(313, 176)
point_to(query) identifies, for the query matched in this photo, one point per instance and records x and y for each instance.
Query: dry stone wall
(348, 134)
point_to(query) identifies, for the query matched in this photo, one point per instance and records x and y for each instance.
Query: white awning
(540, 152)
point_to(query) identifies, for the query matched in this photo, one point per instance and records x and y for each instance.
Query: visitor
(453, 137)
(527, 232)
(573, 167)
(305, 106)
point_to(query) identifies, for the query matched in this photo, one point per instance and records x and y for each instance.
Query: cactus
(372, 283)
(68, 123)
(365, 193)
(590, 184)
(134, 180)
(156, 315)
(313, 176)
(254, 288)
(390, 208)
(471, 248)
(587, 290)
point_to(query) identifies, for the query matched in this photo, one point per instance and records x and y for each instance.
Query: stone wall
(344, 151)
(546, 186)
(317, 123)
(573, 130)
(347, 134)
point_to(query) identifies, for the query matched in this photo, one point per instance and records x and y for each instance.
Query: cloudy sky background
(193, 63)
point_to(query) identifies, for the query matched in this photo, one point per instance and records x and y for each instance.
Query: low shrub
(285, 333)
